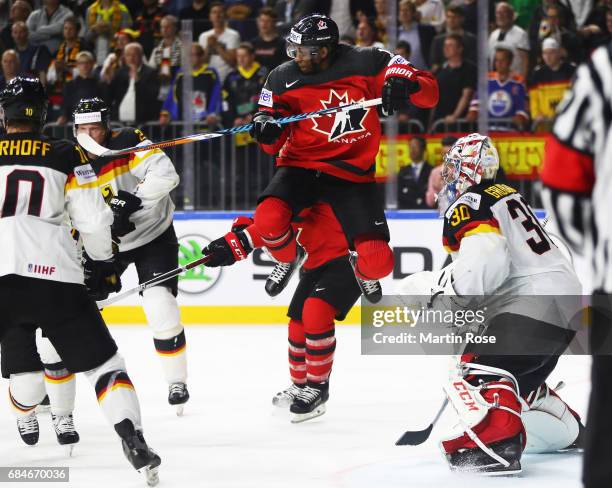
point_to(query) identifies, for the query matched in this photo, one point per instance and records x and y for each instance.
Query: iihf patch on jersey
(265, 98)
(397, 59)
(85, 174)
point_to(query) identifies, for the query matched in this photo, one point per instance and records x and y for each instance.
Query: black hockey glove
(233, 246)
(396, 93)
(265, 130)
(123, 205)
(101, 278)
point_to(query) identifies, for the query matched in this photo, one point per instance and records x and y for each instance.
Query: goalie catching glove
(123, 205)
(233, 246)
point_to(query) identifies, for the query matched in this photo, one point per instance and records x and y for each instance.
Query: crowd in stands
(130, 53)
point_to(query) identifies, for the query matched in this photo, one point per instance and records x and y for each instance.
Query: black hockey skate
(28, 429)
(476, 460)
(282, 272)
(142, 457)
(65, 431)
(371, 289)
(178, 396)
(284, 399)
(310, 402)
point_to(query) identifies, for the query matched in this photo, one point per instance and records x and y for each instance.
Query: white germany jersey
(578, 165)
(47, 188)
(536, 266)
(150, 175)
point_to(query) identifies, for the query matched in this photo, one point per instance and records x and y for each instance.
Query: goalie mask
(472, 158)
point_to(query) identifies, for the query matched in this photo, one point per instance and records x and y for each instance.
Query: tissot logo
(340, 123)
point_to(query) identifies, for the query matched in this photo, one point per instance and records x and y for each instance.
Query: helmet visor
(303, 52)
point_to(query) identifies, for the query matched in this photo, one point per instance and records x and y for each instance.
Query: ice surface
(232, 436)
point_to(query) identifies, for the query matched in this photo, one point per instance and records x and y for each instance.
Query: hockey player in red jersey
(332, 159)
(326, 292)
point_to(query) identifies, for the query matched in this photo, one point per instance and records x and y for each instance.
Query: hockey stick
(416, 437)
(93, 147)
(155, 281)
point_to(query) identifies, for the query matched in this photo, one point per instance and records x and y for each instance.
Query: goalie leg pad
(490, 417)
(550, 423)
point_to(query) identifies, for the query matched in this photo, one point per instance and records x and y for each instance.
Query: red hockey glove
(241, 222)
(265, 130)
(400, 83)
(226, 250)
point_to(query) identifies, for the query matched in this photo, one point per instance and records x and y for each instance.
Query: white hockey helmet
(471, 159)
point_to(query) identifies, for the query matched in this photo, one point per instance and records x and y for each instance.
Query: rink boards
(236, 295)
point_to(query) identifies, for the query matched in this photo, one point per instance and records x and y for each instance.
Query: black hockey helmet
(314, 30)
(90, 111)
(24, 100)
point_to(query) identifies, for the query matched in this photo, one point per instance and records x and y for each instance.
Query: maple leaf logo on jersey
(340, 123)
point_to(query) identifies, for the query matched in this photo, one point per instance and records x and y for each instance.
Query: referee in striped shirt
(577, 174)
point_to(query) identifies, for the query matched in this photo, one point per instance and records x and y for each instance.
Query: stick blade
(91, 146)
(414, 437)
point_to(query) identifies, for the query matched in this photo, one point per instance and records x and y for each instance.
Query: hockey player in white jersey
(502, 253)
(43, 183)
(137, 188)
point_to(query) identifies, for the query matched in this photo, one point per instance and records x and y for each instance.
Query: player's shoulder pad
(125, 137)
(281, 76)
(470, 214)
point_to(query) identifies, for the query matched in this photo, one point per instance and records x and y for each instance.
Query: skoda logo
(200, 278)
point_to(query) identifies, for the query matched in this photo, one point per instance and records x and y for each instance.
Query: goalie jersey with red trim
(501, 210)
(344, 144)
(48, 187)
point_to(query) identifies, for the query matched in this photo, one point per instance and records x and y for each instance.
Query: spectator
(115, 60)
(198, 11)
(134, 89)
(404, 49)
(348, 40)
(206, 101)
(456, 80)
(555, 26)
(20, 11)
(412, 179)
(290, 11)
(470, 9)
(419, 36)
(435, 182)
(510, 35)
(46, 24)
(548, 85)
(64, 65)
(454, 25)
(84, 85)
(166, 57)
(148, 23)
(382, 19)
(507, 97)
(367, 35)
(104, 19)
(537, 16)
(431, 13)
(34, 60)
(270, 50)
(242, 87)
(241, 16)
(10, 67)
(597, 30)
(220, 42)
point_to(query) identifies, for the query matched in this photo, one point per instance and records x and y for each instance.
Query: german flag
(111, 381)
(171, 347)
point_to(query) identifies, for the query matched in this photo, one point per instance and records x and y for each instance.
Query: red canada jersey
(344, 144)
(320, 234)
